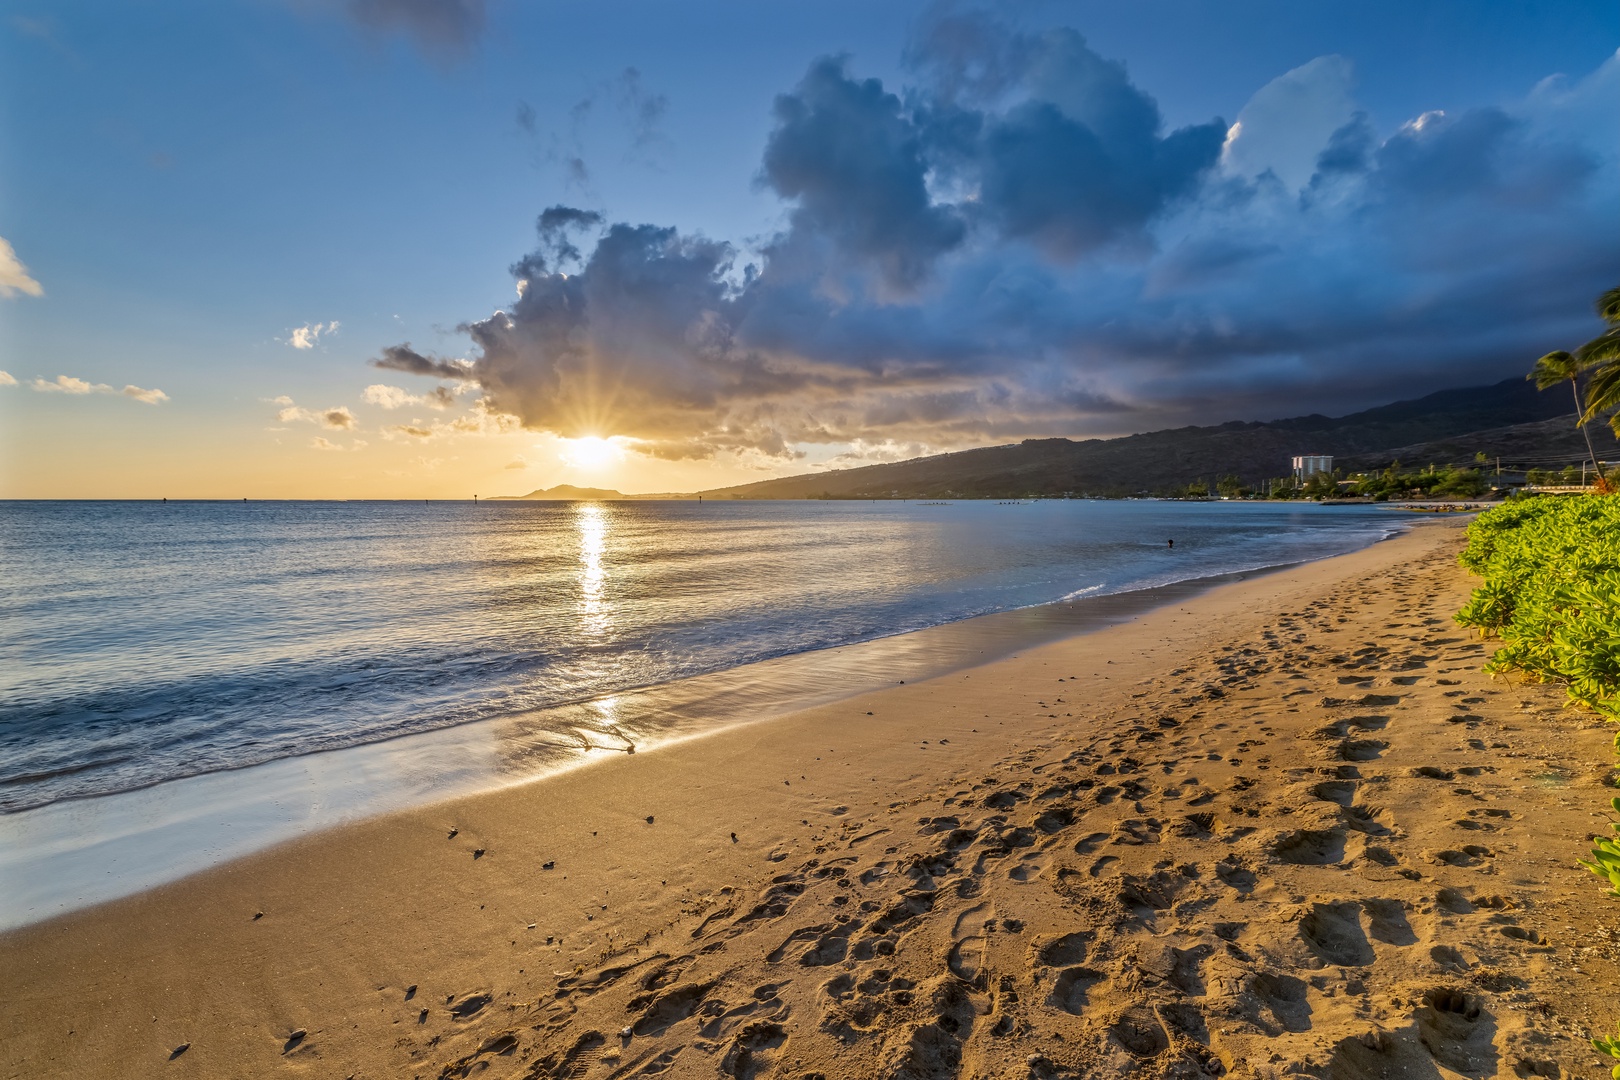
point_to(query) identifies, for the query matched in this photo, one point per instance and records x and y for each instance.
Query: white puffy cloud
(14, 276)
(393, 397)
(318, 443)
(1287, 123)
(7, 379)
(338, 417)
(69, 384)
(480, 420)
(309, 335)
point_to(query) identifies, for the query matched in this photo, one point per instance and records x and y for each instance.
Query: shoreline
(1249, 831)
(74, 853)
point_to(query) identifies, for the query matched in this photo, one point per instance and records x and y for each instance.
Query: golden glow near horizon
(590, 453)
(108, 447)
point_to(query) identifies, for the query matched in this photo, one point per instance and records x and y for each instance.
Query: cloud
(338, 417)
(516, 463)
(480, 420)
(69, 384)
(851, 159)
(445, 30)
(309, 335)
(319, 443)
(7, 379)
(404, 358)
(394, 397)
(1288, 124)
(1014, 245)
(14, 277)
(644, 110)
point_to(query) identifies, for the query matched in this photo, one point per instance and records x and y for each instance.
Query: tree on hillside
(1601, 356)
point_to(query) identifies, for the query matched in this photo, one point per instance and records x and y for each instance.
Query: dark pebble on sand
(177, 1051)
(478, 853)
(257, 915)
(649, 819)
(733, 838)
(453, 832)
(548, 866)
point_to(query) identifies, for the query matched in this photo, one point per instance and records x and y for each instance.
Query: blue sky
(189, 184)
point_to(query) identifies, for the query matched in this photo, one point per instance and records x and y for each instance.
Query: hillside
(1512, 419)
(564, 493)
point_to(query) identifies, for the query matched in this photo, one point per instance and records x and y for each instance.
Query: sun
(590, 453)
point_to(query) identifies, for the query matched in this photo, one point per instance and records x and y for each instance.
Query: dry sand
(1285, 828)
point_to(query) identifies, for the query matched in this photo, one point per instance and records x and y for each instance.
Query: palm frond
(1608, 305)
(1603, 391)
(1552, 369)
(1603, 349)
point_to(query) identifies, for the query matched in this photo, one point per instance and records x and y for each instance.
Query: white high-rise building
(1308, 465)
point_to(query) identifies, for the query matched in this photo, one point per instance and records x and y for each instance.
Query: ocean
(144, 642)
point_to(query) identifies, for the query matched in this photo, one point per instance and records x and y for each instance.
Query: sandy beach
(1284, 828)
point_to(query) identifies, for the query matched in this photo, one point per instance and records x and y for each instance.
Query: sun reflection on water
(591, 519)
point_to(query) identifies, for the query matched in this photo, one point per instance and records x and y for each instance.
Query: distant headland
(565, 493)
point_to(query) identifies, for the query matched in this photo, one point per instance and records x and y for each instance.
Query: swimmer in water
(1172, 543)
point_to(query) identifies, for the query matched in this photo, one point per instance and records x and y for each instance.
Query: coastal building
(1308, 465)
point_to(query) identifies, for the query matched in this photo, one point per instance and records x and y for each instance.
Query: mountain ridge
(1510, 415)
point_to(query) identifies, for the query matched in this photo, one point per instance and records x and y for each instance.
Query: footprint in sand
(966, 959)
(1468, 855)
(1310, 847)
(1362, 749)
(1285, 998)
(669, 1008)
(1387, 922)
(576, 1061)
(1333, 932)
(754, 1050)
(1139, 1032)
(1071, 991)
(1342, 792)
(1455, 1028)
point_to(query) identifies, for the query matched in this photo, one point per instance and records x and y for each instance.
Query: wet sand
(1282, 828)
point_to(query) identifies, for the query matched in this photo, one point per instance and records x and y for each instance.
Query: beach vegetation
(1551, 593)
(1611, 1047)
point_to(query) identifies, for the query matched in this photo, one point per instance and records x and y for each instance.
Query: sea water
(143, 642)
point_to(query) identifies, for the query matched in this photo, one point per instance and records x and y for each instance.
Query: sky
(445, 248)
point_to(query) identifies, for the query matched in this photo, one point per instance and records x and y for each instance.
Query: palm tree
(1602, 356)
(1556, 367)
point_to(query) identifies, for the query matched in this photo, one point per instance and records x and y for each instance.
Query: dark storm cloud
(847, 154)
(1349, 149)
(406, 359)
(1016, 246)
(444, 29)
(556, 248)
(1480, 153)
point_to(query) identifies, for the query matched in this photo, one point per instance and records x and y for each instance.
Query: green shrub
(1610, 1047)
(1551, 593)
